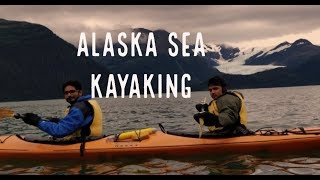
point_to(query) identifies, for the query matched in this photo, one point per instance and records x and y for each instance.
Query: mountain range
(34, 62)
(286, 64)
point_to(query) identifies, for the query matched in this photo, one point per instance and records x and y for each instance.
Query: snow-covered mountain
(231, 60)
(250, 60)
(287, 54)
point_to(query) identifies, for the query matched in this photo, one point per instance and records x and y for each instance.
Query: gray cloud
(217, 23)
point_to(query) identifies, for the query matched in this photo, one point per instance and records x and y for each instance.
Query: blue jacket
(80, 115)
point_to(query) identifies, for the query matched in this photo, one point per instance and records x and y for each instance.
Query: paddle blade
(6, 113)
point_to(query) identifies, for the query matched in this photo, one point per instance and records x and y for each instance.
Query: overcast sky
(242, 25)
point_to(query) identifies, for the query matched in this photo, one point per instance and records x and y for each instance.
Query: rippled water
(280, 108)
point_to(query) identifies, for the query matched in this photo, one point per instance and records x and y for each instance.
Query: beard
(71, 100)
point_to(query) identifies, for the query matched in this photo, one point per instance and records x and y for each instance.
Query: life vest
(213, 108)
(96, 125)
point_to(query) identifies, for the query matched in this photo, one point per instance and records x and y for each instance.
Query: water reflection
(200, 165)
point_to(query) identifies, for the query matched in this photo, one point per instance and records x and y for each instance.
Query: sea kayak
(162, 143)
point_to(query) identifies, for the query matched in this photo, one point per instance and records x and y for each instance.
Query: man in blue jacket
(84, 116)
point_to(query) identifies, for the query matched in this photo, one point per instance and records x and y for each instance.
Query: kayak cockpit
(57, 141)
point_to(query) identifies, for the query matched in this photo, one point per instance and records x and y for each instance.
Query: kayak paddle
(201, 120)
(8, 113)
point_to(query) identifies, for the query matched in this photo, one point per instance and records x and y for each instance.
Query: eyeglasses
(71, 92)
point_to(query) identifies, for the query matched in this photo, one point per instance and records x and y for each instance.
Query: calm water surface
(280, 108)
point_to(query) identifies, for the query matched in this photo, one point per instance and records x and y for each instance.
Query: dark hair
(218, 81)
(73, 83)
